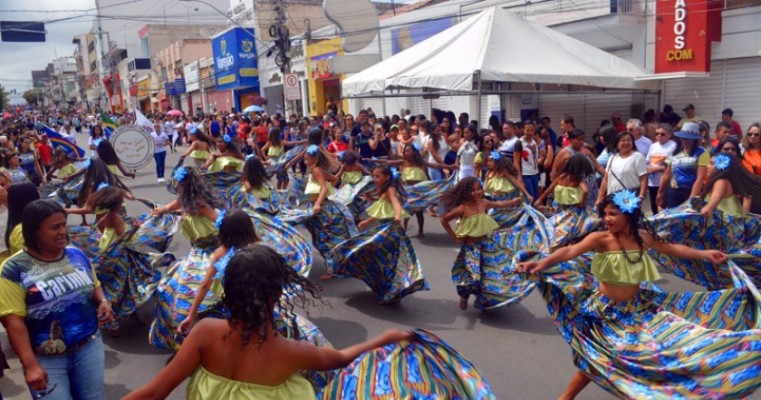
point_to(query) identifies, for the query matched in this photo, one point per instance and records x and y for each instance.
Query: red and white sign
(684, 30)
(291, 87)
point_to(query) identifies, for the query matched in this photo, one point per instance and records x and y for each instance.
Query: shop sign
(143, 88)
(684, 30)
(235, 63)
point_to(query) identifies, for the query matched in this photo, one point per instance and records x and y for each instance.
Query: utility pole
(279, 31)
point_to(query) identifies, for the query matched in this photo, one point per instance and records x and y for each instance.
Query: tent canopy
(497, 46)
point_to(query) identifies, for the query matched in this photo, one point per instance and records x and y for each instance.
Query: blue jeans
(160, 157)
(78, 375)
(532, 185)
(435, 174)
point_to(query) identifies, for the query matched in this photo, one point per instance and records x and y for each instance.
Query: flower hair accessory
(252, 155)
(416, 146)
(721, 162)
(193, 130)
(180, 174)
(88, 163)
(395, 175)
(626, 201)
(495, 155)
(227, 139)
(312, 149)
(220, 217)
(102, 185)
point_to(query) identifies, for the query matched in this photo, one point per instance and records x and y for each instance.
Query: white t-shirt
(628, 170)
(442, 151)
(529, 156)
(161, 141)
(643, 145)
(467, 154)
(94, 142)
(169, 128)
(657, 155)
(506, 148)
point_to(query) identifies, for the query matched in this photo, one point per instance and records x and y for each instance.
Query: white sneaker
(161, 180)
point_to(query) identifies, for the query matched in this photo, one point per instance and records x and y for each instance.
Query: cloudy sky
(66, 19)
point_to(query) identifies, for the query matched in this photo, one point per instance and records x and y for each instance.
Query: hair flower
(227, 139)
(721, 162)
(626, 201)
(495, 155)
(88, 163)
(250, 156)
(395, 174)
(312, 149)
(180, 174)
(416, 146)
(102, 185)
(220, 217)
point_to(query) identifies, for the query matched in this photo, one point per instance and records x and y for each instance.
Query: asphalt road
(517, 348)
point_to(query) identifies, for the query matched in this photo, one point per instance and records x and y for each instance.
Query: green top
(476, 226)
(479, 158)
(226, 163)
(106, 238)
(196, 227)
(613, 267)
(383, 209)
(413, 174)
(567, 195)
(66, 171)
(351, 177)
(205, 385)
(729, 205)
(498, 184)
(200, 154)
(16, 241)
(274, 151)
(261, 193)
(314, 188)
(114, 169)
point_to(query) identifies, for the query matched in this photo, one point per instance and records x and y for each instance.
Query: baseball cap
(689, 107)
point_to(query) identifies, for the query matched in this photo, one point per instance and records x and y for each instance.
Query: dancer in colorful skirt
(503, 183)
(636, 341)
(200, 149)
(197, 203)
(254, 192)
(354, 178)
(570, 220)
(227, 158)
(274, 150)
(254, 283)
(479, 269)
(96, 172)
(383, 257)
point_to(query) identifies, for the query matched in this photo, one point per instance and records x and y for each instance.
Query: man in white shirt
(68, 135)
(641, 142)
(661, 150)
(171, 131)
(509, 139)
(526, 153)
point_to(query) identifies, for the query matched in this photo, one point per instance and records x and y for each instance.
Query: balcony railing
(628, 7)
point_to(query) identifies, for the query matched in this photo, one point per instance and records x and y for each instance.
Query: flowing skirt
(175, 294)
(384, 259)
(331, 226)
(426, 368)
(222, 181)
(283, 238)
(64, 193)
(570, 224)
(425, 194)
(237, 198)
(350, 195)
(659, 345)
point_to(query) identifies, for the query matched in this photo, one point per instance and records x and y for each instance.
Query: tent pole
(478, 99)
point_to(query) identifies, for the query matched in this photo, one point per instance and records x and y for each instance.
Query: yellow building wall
(317, 91)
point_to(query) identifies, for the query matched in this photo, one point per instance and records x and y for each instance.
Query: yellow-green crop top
(205, 385)
(314, 188)
(274, 151)
(476, 226)
(613, 267)
(16, 241)
(262, 192)
(196, 227)
(729, 205)
(107, 237)
(413, 174)
(383, 209)
(226, 163)
(66, 171)
(351, 177)
(114, 169)
(498, 184)
(200, 154)
(567, 195)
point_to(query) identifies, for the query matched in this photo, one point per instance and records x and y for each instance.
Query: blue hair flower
(416, 146)
(193, 130)
(227, 139)
(495, 155)
(626, 201)
(88, 163)
(395, 174)
(312, 149)
(180, 174)
(721, 162)
(102, 185)
(220, 217)
(252, 155)
(221, 264)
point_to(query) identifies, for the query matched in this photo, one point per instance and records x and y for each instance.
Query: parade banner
(57, 140)
(133, 145)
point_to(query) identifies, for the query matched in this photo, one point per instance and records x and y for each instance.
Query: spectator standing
(527, 155)
(659, 152)
(691, 116)
(642, 143)
(737, 130)
(161, 142)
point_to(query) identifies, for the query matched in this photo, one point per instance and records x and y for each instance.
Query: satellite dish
(357, 20)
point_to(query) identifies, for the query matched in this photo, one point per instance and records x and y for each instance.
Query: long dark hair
(577, 168)
(504, 164)
(92, 131)
(391, 182)
(254, 172)
(636, 222)
(205, 138)
(95, 174)
(195, 191)
(461, 193)
(610, 137)
(109, 198)
(237, 230)
(728, 139)
(744, 183)
(107, 153)
(19, 195)
(417, 158)
(34, 214)
(274, 136)
(255, 279)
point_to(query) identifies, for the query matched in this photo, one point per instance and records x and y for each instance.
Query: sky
(19, 59)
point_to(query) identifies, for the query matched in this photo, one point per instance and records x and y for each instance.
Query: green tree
(31, 96)
(3, 98)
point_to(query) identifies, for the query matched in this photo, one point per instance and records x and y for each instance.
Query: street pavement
(517, 348)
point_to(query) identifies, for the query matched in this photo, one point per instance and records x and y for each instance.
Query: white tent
(497, 46)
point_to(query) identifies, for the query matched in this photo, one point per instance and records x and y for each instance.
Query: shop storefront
(323, 82)
(235, 66)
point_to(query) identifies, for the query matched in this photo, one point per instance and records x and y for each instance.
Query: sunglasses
(660, 133)
(754, 134)
(38, 394)
(728, 149)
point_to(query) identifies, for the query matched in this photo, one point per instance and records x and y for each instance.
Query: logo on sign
(133, 146)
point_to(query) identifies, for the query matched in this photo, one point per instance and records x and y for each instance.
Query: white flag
(143, 121)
